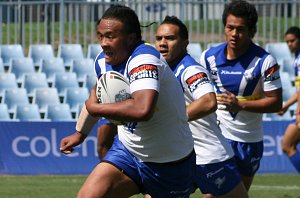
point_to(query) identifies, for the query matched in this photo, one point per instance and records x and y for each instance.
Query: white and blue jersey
(216, 171)
(159, 139)
(297, 70)
(209, 143)
(248, 77)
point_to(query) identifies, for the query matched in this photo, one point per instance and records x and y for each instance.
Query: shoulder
(215, 50)
(144, 49)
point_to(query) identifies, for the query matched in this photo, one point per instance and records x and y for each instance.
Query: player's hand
(282, 111)
(227, 101)
(68, 143)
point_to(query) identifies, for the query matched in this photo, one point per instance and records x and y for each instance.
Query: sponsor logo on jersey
(143, 71)
(231, 72)
(272, 73)
(198, 79)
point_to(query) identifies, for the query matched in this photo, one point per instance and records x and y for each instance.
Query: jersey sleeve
(271, 74)
(143, 72)
(196, 81)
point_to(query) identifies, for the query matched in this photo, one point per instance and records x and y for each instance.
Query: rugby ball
(112, 87)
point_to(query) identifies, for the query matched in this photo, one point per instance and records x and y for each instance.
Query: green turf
(264, 186)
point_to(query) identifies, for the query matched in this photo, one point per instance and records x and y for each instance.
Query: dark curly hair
(293, 30)
(183, 32)
(126, 16)
(243, 9)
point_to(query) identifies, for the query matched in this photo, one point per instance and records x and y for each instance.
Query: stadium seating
(4, 114)
(62, 81)
(2, 70)
(195, 50)
(20, 67)
(279, 50)
(93, 50)
(34, 81)
(59, 112)
(39, 52)
(288, 66)
(14, 97)
(11, 51)
(51, 67)
(7, 81)
(70, 52)
(44, 97)
(75, 97)
(90, 81)
(213, 44)
(82, 67)
(28, 112)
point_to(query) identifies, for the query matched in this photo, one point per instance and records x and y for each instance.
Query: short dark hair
(243, 9)
(126, 16)
(293, 30)
(183, 32)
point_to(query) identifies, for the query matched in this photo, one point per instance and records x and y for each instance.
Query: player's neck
(233, 53)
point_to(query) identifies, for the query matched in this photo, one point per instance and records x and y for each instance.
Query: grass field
(264, 186)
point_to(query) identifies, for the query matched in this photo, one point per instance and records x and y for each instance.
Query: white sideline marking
(263, 187)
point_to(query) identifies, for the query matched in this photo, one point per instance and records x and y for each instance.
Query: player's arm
(201, 107)
(197, 85)
(298, 110)
(140, 107)
(292, 100)
(271, 103)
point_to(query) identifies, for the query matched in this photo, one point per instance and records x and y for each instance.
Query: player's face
(237, 33)
(116, 44)
(169, 43)
(293, 42)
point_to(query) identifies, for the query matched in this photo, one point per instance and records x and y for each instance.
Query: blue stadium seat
(279, 50)
(195, 50)
(34, 81)
(288, 66)
(69, 52)
(90, 81)
(51, 67)
(82, 67)
(213, 44)
(7, 81)
(2, 69)
(20, 67)
(63, 81)
(11, 51)
(59, 112)
(93, 50)
(4, 114)
(39, 52)
(44, 97)
(28, 112)
(14, 97)
(75, 97)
